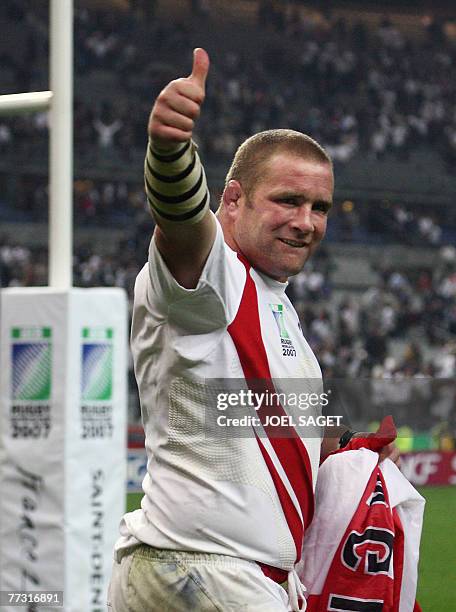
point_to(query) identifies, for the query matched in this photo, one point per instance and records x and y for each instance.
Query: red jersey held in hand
(361, 551)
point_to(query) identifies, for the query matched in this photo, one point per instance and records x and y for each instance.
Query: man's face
(280, 225)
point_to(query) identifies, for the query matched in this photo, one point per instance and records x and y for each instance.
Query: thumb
(200, 67)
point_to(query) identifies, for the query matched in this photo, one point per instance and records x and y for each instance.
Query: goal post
(23, 103)
(63, 390)
(59, 103)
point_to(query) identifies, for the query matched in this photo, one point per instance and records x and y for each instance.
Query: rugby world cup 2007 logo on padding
(31, 382)
(288, 350)
(96, 382)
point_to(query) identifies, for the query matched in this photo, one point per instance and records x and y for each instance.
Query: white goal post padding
(62, 440)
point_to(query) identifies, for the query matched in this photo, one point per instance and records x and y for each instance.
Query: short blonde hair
(253, 154)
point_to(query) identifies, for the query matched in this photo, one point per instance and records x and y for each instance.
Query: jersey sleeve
(210, 305)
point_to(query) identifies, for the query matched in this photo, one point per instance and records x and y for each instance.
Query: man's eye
(291, 201)
(321, 206)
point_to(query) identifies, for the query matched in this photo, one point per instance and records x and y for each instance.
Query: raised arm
(174, 177)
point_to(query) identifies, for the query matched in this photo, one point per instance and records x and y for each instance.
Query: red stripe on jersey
(288, 507)
(274, 573)
(245, 332)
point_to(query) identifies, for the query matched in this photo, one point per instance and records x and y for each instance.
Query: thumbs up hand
(178, 106)
(200, 68)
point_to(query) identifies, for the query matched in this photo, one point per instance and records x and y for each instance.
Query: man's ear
(232, 196)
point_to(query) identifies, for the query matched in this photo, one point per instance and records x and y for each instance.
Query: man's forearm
(175, 183)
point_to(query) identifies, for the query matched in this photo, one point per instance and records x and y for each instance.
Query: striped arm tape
(175, 183)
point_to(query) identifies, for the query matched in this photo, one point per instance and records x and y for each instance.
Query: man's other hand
(381, 441)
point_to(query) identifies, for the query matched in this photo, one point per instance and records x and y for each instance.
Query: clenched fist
(178, 106)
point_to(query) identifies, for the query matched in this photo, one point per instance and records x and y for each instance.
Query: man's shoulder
(220, 284)
(142, 278)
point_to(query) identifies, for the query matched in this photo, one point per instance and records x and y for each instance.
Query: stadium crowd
(368, 90)
(351, 335)
(398, 333)
(122, 204)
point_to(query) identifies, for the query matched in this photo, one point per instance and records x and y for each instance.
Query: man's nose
(302, 220)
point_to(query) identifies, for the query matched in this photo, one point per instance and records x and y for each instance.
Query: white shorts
(155, 580)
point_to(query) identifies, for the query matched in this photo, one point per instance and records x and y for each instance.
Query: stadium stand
(376, 90)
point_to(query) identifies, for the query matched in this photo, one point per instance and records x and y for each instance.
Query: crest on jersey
(288, 350)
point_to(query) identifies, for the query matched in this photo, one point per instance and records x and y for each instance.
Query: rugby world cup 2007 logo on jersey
(96, 382)
(31, 382)
(288, 350)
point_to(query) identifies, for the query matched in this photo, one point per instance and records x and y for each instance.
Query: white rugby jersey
(208, 489)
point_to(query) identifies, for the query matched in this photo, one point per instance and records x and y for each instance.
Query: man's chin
(285, 272)
(284, 275)
(294, 272)
(296, 269)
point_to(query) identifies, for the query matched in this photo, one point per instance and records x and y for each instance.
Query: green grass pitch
(133, 501)
(437, 576)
